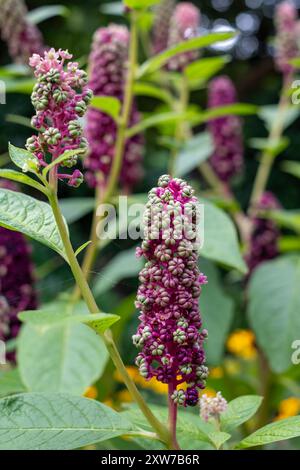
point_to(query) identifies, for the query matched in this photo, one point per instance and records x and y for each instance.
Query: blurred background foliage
(232, 351)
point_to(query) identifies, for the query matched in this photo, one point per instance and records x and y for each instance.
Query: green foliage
(220, 239)
(158, 61)
(32, 217)
(194, 152)
(11, 383)
(74, 209)
(239, 411)
(107, 104)
(45, 421)
(67, 357)
(217, 312)
(279, 431)
(274, 306)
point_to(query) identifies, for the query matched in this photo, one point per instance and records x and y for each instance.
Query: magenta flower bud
(287, 47)
(17, 291)
(184, 25)
(227, 158)
(23, 38)
(265, 234)
(169, 334)
(108, 68)
(60, 98)
(163, 13)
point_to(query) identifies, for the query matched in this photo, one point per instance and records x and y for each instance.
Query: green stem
(88, 297)
(182, 127)
(267, 158)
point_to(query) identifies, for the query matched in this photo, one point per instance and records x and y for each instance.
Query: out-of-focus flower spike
(227, 158)
(184, 24)
(163, 13)
(287, 38)
(108, 68)
(22, 37)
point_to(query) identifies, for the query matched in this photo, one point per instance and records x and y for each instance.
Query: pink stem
(172, 416)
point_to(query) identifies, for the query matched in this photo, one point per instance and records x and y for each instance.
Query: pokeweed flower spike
(169, 334)
(60, 98)
(286, 42)
(227, 158)
(163, 13)
(108, 68)
(212, 407)
(17, 291)
(265, 234)
(23, 38)
(184, 24)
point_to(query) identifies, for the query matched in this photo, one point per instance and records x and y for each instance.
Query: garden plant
(149, 227)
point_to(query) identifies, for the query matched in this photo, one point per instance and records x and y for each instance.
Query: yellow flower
(216, 373)
(91, 392)
(289, 407)
(124, 396)
(241, 343)
(209, 392)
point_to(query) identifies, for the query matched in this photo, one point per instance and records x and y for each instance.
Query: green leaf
(238, 109)
(289, 243)
(45, 421)
(287, 219)
(140, 4)
(107, 104)
(23, 159)
(203, 69)
(220, 239)
(189, 426)
(44, 319)
(62, 158)
(239, 411)
(195, 151)
(269, 114)
(32, 217)
(40, 14)
(291, 167)
(279, 431)
(10, 383)
(82, 247)
(274, 305)
(274, 147)
(217, 310)
(20, 120)
(67, 358)
(112, 8)
(161, 59)
(74, 209)
(148, 89)
(21, 178)
(20, 85)
(159, 119)
(123, 265)
(218, 438)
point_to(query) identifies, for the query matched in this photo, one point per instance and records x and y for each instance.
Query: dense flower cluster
(287, 48)
(23, 38)
(16, 279)
(169, 332)
(163, 14)
(184, 25)
(265, 234)
(107, 78)
(212, 407)
(226, 132)
(60, 97)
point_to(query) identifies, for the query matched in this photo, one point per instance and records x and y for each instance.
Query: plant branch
(267, 157)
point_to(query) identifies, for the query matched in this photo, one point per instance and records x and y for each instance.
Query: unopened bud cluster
(60, 98)
(212, 407)
(169, 334)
